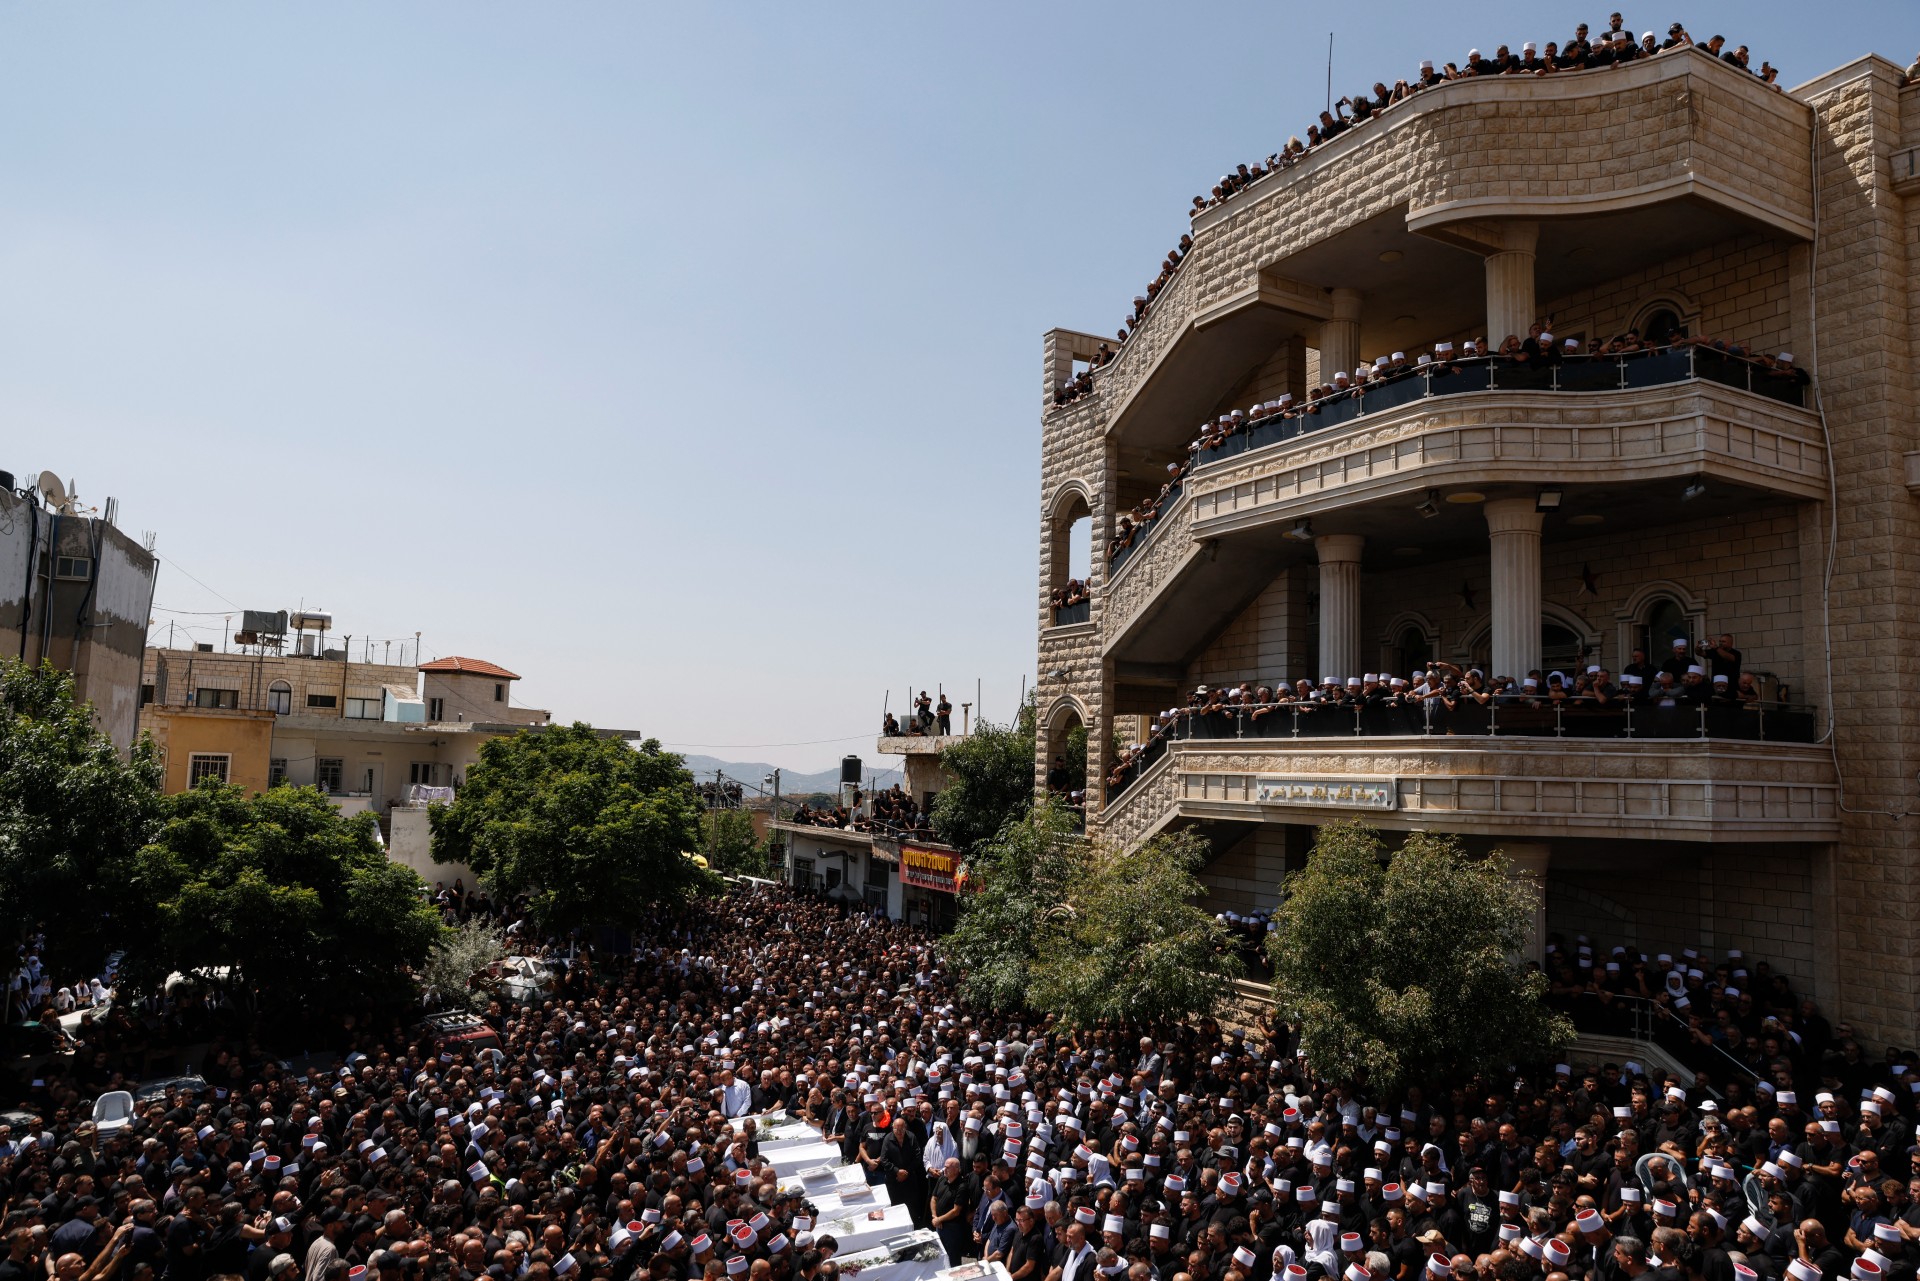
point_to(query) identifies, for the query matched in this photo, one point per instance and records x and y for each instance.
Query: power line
(183, 569)
(748, 747)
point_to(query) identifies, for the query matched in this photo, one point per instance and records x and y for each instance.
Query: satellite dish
(53, 492)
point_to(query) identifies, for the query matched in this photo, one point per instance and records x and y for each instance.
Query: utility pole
(713, 820)
(775, 778)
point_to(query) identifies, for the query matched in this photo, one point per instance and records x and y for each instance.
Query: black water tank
(6, 481)
(849, 769)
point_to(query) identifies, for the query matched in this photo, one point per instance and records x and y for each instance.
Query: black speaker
(849, 769)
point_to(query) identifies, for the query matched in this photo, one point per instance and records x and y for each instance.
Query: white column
(1340, 337)
(1514, 529)
(1510, 284)
(1339, 604)
(1527, 864)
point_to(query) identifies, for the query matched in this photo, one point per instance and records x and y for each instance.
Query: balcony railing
(1499, 718)
(1078, 612)
(1656, 368)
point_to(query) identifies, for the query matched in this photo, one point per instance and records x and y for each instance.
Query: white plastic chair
(113, 1111)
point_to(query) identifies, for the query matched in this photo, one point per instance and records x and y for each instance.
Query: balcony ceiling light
(1391, 255)
(1586, 518)
(1427, 506)
(1302, 531)
(1694, 490)
(1548, 500)
(1467, 496)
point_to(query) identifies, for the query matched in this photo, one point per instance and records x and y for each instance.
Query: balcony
(1625, 453)
(1532, 783)
(1621, 168)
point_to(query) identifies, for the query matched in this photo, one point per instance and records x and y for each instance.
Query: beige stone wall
(1246, 877)
(1738, 289)
(1073, 453)
(176, 673)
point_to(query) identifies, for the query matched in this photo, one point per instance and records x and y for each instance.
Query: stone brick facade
(1786, 222)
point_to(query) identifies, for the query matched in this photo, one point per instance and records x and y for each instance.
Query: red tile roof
(469, 667)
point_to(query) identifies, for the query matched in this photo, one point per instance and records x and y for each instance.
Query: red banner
(928, 869)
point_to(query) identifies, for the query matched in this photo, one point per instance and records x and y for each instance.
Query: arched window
(280, 698)
(1662, 326)
(1411, 650)
(1070, 555)
(1560, 648)
(1666, 622)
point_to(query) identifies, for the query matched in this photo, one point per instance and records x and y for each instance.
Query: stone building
(1540, 522)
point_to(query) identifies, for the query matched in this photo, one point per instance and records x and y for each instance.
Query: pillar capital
(1346, 303)
(1512, 516)
(1339, 547)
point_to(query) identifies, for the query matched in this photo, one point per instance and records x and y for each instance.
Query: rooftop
(469, 667)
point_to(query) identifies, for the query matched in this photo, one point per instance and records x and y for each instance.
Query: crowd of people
(721, 793)
(609, 1132)
(33, 994)
(1075, 592)
(891, 812)
(1613, 47)
(928, 717)
(1442, 697)
(1539, 350)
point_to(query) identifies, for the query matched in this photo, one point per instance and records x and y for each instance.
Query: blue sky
(684, 359)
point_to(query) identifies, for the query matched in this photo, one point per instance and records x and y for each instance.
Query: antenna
(55, 494)
(1329, 71)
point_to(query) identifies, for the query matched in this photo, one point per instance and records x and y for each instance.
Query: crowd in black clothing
(928, 717)
(1613, 47)
(1072, 594)
(721, 794)
(610, 1135)
(1442, 698)
(892, 813)
(1539, 350)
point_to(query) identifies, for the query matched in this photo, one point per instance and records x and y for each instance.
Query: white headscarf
(939, 1148)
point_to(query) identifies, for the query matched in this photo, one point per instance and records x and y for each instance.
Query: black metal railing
(1500, 717)
(1078, 612)
(1655, 368)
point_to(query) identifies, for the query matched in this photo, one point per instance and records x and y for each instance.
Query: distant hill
(881, 770)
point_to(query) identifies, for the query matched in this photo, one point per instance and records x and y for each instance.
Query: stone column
(1514, 527)
(1339, 604)
(1510, 283)
(1527, 863)
(1340, 337)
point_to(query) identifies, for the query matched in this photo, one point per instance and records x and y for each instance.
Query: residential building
(76, 592)
(1531, 520)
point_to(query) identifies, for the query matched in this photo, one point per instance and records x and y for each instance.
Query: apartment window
(146, 695)
(280, 698)
(499, 691)
(203, 697)
(322, 700)
(425, 773)
(276, 771)
(363, 709)
(876, 896)
(436, 709)
(803, 874)
(327, 773)
(212, 765)
(80, 567)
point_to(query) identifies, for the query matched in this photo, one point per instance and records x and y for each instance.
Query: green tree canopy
(727, 839)
(591, 829)
(300, 901)
(1014, 882)
(992, 773)
(72, 816)
(1055, 923)
(1129, 946)
(1403, 966)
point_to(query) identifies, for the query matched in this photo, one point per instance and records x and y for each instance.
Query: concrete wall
(409, 842)
(468, 696)
(92, 629)
(245, 737)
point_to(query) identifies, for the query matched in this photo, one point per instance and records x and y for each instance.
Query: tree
(992, 773)
(590, 829)
(461, 953)
(728, 840)
(1014, 882)
(290, 906)
(1403, 967)
(1055, 923)
(73, 814)
(1076, 754)
(1129, 946)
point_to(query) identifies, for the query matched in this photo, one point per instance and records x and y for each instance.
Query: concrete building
(1541, 523)
(364, 733)
(76, 591)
